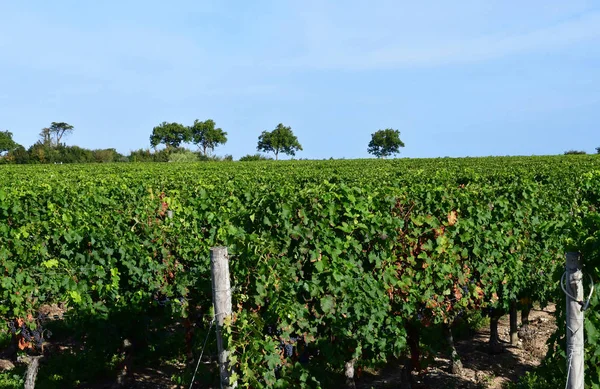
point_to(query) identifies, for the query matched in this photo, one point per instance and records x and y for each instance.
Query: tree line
(205, 135)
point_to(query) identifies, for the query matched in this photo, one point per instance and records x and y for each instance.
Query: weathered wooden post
(574, 297)
(349, 374)
(221, 285)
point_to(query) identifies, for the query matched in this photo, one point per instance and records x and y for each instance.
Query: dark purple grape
(289, 350)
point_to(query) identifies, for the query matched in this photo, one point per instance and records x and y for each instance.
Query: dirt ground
(482, 370)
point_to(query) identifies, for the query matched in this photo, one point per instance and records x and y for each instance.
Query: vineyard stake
(221, 286)
(574, 288)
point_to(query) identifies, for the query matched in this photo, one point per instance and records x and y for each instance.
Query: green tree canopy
(6, 142)
(59, 129)
(45, 136)
(597, 150)
(281, 139)
(170, 134)
(385, 143)
(206, 136)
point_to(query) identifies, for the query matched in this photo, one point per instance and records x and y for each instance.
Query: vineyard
(332, 263)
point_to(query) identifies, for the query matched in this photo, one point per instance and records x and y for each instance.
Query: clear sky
(457, 78)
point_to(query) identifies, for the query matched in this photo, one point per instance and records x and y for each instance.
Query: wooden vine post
(221, 286)
(574, 288)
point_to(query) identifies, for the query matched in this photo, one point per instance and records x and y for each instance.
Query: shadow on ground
(481, 369)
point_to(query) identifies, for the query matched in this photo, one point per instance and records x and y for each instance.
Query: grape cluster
(35, 336)
(164, 300)
(288, 346)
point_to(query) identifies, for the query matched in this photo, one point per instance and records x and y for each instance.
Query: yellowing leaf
(452, 218)
(49, 264)
(75, 296)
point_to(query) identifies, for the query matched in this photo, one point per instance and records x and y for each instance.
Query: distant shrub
(184, 156)
(570, 152)
(214, 158)
(145, 155)
(107, 155)
(255, 157)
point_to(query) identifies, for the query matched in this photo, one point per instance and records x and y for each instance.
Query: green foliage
(41, 153)
(12, 379)
(335, 257)
(183, 156)
(575, 152)
(597, 150)
(6, 142)
(107, 156)
(59, 130)
(385, 143)
(206, 136)
(255, 157)
(145, 155)
(582, 235)
(281, 139)
(541, 378)
(19, 155)
(171, 135)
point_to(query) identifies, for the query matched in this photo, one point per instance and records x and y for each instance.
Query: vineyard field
(331, 261)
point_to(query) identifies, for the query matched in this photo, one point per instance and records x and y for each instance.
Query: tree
(206, 136)
(45, 136)
(59, 129)
(385, 143)
(20, 155)
(597, 150)
(281, 139)
(575, 152)
(6, 142)
(170, 134)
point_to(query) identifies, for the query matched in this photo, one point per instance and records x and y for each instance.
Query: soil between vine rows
(481, 370)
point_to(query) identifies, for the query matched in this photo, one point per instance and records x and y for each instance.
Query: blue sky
(468, 78)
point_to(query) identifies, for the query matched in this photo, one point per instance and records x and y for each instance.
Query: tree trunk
(406, 380)
(455, 362)
(276, 155)
(33, 365)
(412, 339)
(514, 337)
(494, 343)
(525, 315)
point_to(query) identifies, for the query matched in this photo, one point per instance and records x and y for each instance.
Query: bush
(107, 155)
(145, 155)
(184, 156)
(576, 152)
(255, 157)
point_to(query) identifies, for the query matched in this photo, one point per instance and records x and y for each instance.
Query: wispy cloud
(334, 52)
